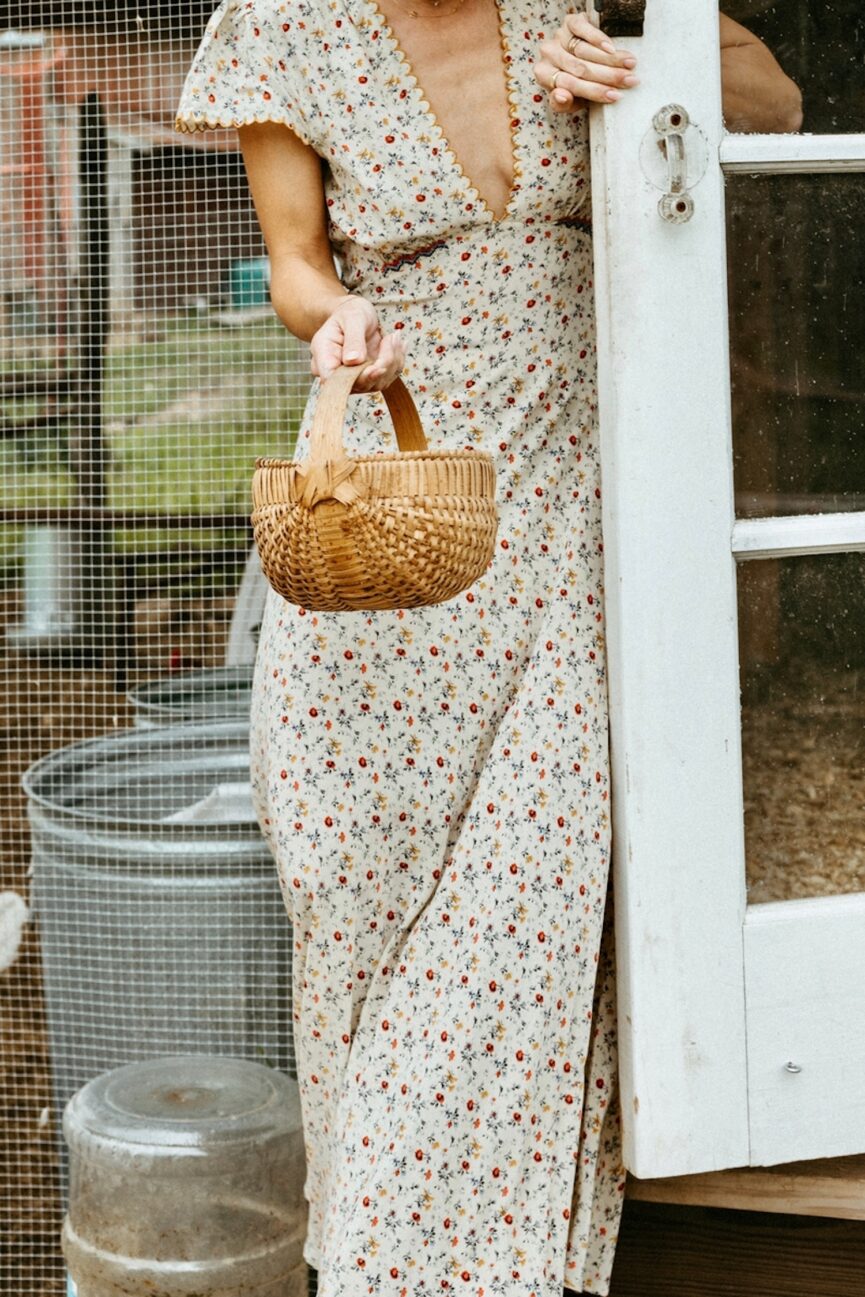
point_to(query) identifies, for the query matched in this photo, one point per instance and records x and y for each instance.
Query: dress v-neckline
(375, 14)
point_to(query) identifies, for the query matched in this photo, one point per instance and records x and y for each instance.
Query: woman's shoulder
(251, 65)
(257, 19)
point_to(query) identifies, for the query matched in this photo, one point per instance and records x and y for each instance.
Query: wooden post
(87, 442)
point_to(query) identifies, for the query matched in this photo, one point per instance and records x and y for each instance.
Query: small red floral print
(434, 782)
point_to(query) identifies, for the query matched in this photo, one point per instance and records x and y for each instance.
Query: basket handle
(326, 444)
(328, 473)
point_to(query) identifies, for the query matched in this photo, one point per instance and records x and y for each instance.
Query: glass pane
(796, 285)
(818, 46)
(802, 665)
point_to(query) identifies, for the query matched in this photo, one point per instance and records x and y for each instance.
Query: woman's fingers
(325, 352)
(584, 69)
(589, 85)
(582, 27)
(356, 337)
(581, 63)
(580, 54)
(385, 367)
(349, 336)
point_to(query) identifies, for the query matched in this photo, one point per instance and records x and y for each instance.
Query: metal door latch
(621, 17)
(674, 156)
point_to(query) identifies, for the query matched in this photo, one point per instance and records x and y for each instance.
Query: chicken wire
(142, 370)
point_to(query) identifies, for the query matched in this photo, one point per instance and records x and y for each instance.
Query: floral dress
(434, 783)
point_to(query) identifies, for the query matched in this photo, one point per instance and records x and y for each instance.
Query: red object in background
(30, 68)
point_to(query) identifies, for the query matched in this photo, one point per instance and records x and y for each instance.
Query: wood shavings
(804, 777)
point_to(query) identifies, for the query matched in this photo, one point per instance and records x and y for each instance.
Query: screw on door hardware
(792, 1067)
(671, 122)
(674, 156)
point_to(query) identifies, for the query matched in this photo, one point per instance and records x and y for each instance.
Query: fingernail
(614, 94)
(629, 61)
(608, 46)
(630, 81)
(351, 355)
(561, 96)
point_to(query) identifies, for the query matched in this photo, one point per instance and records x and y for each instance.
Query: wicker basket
(401, 530)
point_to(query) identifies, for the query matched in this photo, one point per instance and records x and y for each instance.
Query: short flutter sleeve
(249, 67)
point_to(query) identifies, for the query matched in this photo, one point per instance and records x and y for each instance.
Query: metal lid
(220, 692)
(142, 777)
(187, 1101)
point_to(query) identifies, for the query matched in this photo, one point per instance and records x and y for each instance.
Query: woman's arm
(757, 94)
(285, 180)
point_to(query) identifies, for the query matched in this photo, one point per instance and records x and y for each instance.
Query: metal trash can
(222, 693)
(162, 925)
(187, 1177)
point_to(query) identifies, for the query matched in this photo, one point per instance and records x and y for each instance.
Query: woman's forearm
(757, 93)
(304, 294)
(286, 181)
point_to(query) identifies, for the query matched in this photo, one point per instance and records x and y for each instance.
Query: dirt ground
(803, 763)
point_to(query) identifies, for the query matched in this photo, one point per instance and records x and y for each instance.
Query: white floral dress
(434, 783)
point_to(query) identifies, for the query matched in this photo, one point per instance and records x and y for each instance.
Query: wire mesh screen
(142, 370)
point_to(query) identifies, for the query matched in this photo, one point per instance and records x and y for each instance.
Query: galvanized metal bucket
(162, 924)
(222, 693)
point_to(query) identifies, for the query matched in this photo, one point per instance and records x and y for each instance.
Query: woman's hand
(757, 95)
(588, 65)
(351, 335)
(285, 177)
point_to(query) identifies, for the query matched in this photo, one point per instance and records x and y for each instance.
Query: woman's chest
(461, 63)
(472, 141)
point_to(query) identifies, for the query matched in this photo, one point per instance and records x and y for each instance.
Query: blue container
(249, 282)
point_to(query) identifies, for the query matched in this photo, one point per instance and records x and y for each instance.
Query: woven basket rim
(391, 457)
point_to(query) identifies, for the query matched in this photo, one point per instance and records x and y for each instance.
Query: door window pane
(796, 286)
(821, 47)
(802, 676)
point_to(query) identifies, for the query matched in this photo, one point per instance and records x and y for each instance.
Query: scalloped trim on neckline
(374, 13)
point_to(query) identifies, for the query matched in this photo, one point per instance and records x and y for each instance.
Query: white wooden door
(731, 403)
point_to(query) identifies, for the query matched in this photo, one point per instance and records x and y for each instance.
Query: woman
(434, 783)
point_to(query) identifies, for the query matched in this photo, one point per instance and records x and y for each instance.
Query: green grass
(185, 417)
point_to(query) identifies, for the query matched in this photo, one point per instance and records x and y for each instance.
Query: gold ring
(573, 43)
(555, 78)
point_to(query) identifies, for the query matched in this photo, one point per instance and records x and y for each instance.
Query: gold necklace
(433, 4)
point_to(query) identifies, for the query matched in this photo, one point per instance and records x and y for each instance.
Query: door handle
(671, 122)
(674, 156)
(621, 17)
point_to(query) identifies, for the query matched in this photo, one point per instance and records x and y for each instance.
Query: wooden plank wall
(666, 1250)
